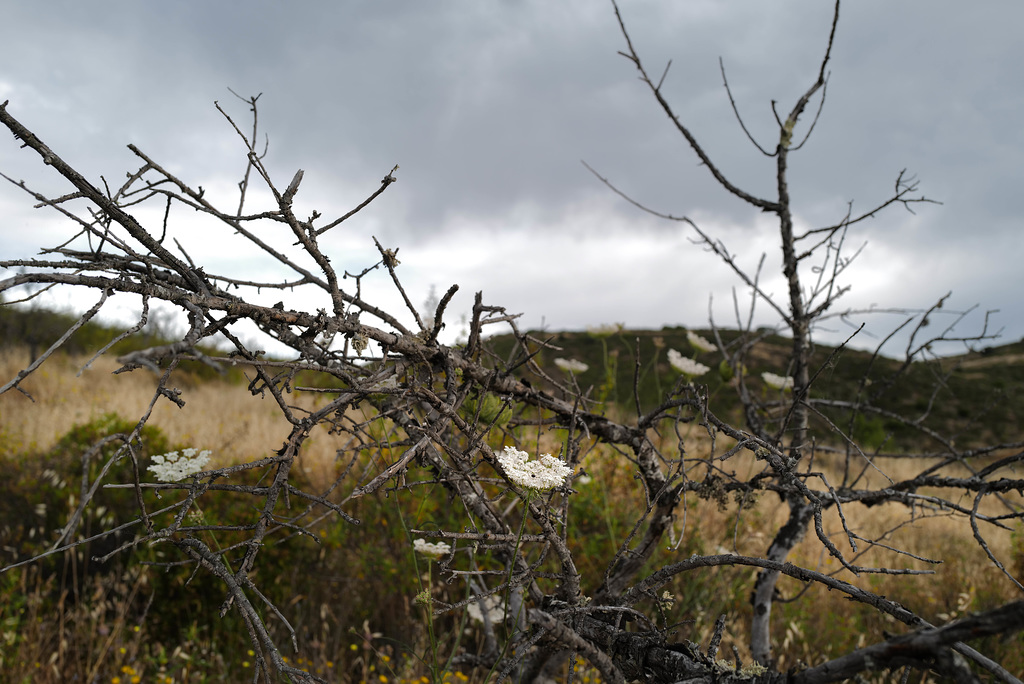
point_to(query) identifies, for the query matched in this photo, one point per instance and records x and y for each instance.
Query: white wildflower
(545, 473)
(425, 548)
(777, 381)
(172, 467)
(687, 367)
(606, 329)
(495, 609)
(571, 365)
(698, 342)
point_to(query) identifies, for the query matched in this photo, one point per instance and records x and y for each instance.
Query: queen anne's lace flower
(698, 342)
(425, 548)
(172, 467)
(547, 472)
(571, 365)
(687, 367)
(495, 609)
(777, 381)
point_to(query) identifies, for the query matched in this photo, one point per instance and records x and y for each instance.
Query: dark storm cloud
(490, 106)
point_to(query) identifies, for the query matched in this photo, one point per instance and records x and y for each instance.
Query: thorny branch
(444, 432)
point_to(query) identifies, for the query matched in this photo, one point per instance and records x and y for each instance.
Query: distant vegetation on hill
(988, 384)
(35, 329)
(625, 364)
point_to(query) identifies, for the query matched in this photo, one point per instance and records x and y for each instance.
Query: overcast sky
(490, 106)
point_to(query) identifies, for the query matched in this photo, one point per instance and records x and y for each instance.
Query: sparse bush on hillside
(446, 427)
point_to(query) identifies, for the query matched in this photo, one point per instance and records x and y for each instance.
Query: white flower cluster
(778, 382)
(545, 473)
(495, 609)
(438, 550)
(172, 467)
(698, 342)
(571, 365)
(687, 367)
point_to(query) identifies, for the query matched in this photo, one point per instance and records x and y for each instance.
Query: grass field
(350, 598)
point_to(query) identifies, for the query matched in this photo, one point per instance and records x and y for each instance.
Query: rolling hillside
(977, 398)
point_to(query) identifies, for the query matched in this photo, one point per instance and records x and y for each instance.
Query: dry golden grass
(237, 426)
(815, 627)
(221, 416)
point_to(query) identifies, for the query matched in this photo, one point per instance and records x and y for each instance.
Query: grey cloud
(489, 106)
